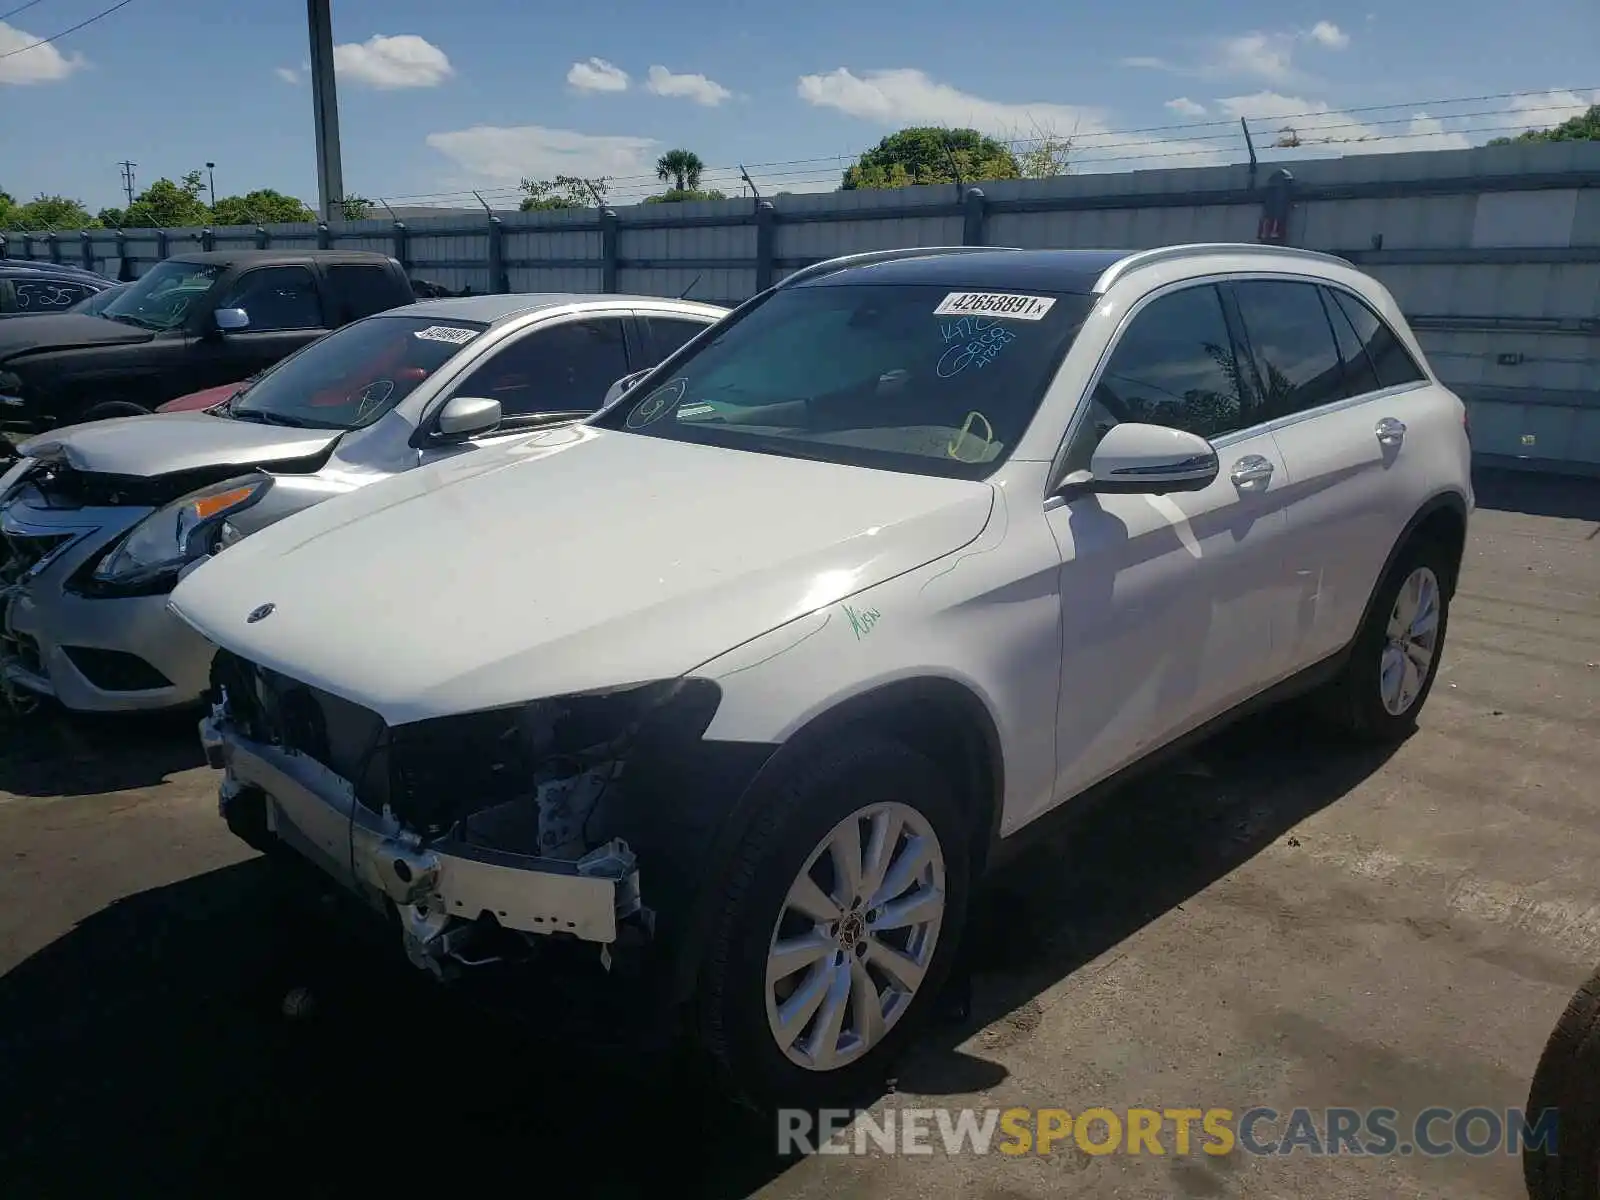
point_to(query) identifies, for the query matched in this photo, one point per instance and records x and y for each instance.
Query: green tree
(1044, 155)
(355, 208)
(929, 154)
(1585, 127)
(168, 205)
(264, 206)
(564, 191)
(681, 168)
(112, 218)
(681, 195)
(46, 212)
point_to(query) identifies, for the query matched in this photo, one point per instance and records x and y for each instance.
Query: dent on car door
(1168, 601)
(1325, 363)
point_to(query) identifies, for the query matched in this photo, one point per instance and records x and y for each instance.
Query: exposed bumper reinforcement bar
(440, 888)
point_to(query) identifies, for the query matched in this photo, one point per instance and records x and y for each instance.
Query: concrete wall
(1494, 253)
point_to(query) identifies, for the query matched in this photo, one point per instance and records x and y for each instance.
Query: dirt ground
(1282, 922)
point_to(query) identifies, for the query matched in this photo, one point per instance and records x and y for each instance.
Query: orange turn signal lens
(210, 506)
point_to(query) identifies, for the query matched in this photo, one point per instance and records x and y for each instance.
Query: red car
(194, 401)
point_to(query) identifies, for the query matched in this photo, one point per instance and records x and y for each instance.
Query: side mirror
(466, 416)
(230, 320)
(622, 385)
(1151, 459)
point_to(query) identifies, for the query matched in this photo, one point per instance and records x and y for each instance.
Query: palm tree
(681, 168)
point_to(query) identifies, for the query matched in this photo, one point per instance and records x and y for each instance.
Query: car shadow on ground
(148, 1051)
(1537, 494)
(54, 753)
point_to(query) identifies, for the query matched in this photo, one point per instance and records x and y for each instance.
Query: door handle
(1251, 473)
(1390, 432)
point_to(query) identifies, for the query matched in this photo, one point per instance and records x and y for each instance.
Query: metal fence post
(1275, 206)
(55, 246)
(766, 243)
(324, 236)
(263, 238)
(5, 244)
(610, 239)
(27, 245)
(498, 285)
(973, 215)
(400, 249)
(86, 249)
(162, 245)
(208, 240)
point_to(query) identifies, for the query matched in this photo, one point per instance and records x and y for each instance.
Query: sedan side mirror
(230, 320)
(463, 417)
(622, 385)
(1151, 459)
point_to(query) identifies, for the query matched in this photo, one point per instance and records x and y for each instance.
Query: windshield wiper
(262, 417)
(786, 447)
(130, 319)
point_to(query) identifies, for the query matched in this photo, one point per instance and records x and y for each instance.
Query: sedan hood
(167, 443)
(579, 559)
(65, 331)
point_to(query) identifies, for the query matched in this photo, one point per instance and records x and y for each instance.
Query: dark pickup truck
(191, 322)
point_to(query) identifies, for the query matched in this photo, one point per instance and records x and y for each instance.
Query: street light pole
(325, 106)
(211, 177)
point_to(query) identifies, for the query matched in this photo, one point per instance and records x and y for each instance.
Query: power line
(101, 15)
(6, 16)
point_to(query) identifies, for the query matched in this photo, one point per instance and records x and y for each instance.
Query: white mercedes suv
(743, 681)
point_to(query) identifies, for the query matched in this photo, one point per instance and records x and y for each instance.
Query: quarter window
(358, 290)
(1292, 343)
(1174, 366)
(560, 368)
(1391, 361)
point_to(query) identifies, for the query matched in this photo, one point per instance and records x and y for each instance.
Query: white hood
(576, 560)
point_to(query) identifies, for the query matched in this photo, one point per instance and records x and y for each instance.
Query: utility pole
(211, 179)
(127, 179)
(325, 108)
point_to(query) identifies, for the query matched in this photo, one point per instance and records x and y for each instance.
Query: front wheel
(843, 916)
(108, 409)
(1568, 1081)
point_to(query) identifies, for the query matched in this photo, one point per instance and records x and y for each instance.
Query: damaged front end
(489, 837)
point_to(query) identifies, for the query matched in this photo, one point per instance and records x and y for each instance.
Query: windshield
(922, 378)
(351, 377)
(162, 297)
(96, 304)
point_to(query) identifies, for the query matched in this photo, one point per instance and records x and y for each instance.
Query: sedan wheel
(856, 935)
(1413, 634)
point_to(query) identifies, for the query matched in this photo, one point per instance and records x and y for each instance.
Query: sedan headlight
(154, 551)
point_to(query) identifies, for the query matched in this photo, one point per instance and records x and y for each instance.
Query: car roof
(240, 258)
(492, 309)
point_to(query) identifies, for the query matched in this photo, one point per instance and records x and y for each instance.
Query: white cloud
(287, 74)
(1313, 129)
(510, 153)
(903, 96)
(1186, 107)
(41, 64)
(1146, 62)
(597, 75)
(1326, 33)
(687, 87)
(388, 63)
(1544, 109)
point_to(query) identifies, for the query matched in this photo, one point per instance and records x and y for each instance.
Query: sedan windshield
(920, 378)
(354, 375)
(95, 305)
(163, 296)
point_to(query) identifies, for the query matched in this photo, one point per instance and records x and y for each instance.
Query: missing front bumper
(446, 892)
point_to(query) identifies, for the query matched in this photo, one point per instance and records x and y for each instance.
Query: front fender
(286, 495)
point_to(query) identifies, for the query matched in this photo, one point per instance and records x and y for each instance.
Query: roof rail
(1162, 254)
(869, 257)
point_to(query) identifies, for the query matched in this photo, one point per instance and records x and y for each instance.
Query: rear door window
(667, 334)
(1390, 359)
(1291, 340)
(567, 367)
(44, 295)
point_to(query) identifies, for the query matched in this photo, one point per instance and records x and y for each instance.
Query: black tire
(1353, 700)
(1567, 1079)
(822, 791)
(108, 409)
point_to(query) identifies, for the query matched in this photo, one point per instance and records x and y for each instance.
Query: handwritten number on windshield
(969, 341)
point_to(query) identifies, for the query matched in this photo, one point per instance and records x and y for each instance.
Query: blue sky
(439, 99)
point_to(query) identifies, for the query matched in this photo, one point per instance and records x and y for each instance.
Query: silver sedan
(99, 521)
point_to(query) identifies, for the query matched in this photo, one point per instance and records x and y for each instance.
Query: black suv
(191, 322)
(31, 288)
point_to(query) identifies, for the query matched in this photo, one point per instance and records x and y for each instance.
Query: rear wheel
(1395, 656)
(842, 919)
(1568, 1081)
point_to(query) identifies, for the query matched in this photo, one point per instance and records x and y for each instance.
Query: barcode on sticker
(453, 334)
(994, 304)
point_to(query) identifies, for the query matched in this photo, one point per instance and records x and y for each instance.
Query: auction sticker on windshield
(453, 334)
(995, 304)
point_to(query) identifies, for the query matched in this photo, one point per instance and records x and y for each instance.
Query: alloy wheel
(1410, 643)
